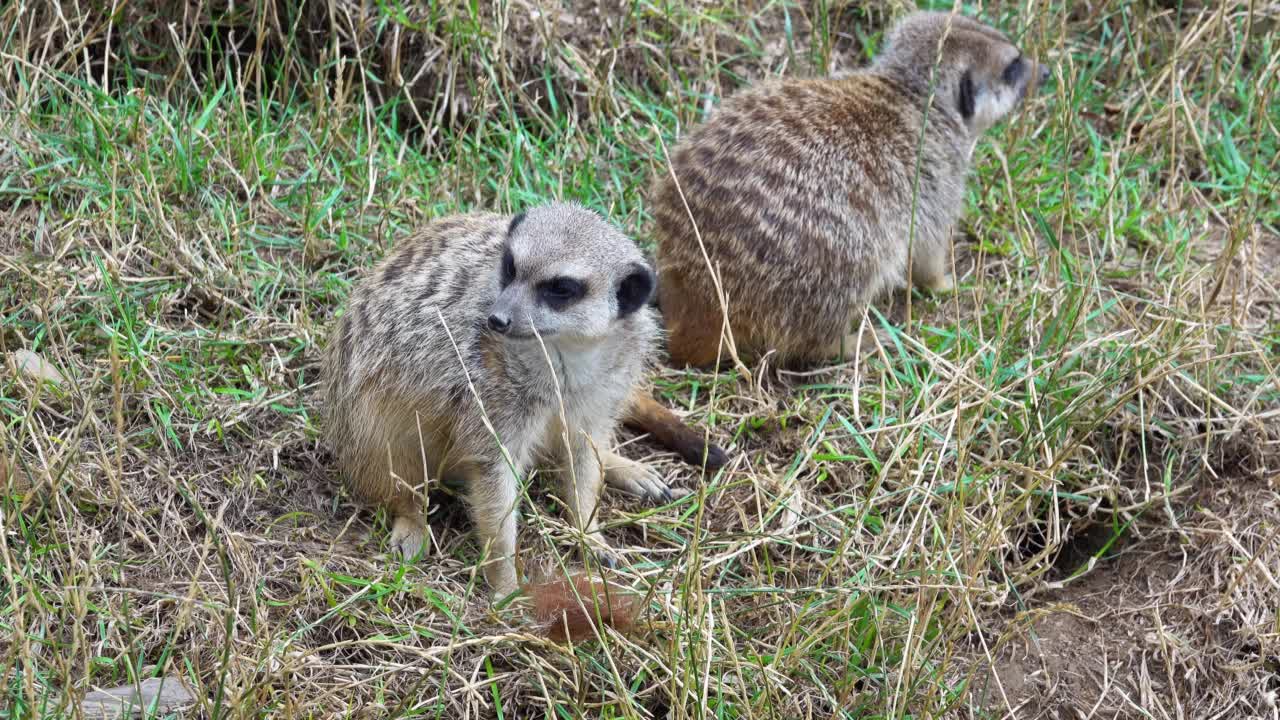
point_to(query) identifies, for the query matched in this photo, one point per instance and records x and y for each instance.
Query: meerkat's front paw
(408, 534)
(501, 576)
(640, 480)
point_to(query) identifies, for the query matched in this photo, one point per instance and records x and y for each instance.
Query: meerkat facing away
(529, 330)
(806, 196)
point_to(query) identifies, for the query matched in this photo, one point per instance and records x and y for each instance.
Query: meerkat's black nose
(499, 323)
(1044, 74)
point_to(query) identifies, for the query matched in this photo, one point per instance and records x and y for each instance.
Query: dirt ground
(1175, 624)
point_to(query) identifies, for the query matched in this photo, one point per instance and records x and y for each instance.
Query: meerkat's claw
(640, 480)
(408, 535)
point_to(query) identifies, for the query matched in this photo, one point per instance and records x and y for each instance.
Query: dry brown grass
(1055, 493)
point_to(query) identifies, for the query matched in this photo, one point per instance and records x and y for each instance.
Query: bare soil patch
(1180, 623)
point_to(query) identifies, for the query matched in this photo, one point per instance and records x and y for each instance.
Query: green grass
(177, 243)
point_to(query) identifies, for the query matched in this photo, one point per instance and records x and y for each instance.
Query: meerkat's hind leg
(842, 348)
(636, 478)
(929, 271)
(940, 284)
(380, 477)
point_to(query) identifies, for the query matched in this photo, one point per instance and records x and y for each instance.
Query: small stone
(167, 694)
(35, 367)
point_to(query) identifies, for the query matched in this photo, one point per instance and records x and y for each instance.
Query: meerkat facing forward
(528, 330)
(806, 196)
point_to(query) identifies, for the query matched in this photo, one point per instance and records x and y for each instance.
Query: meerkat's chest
(581, 400)
(540, 429)
(555, 383)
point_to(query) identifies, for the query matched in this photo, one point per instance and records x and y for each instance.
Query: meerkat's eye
(508, 267)
(1014, 71)
(559, 292)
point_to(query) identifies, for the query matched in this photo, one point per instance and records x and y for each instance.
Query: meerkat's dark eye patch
(1013, 73)
(966, 102)
(508, 267)
(560, 292)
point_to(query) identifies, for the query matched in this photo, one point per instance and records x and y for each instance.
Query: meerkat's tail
(645, 413)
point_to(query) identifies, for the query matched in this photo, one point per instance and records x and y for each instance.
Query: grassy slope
(179, 251)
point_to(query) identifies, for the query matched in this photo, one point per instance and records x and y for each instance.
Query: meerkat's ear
(515, 222)
(967, 100)
(635, 289)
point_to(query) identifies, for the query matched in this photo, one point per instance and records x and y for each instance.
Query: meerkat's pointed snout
(1044, 76)
(499, 323)
(1038, 80)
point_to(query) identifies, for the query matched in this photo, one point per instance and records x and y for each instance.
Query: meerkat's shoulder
(464, 224)
(444, 244)
(864, 91)
(441, 233)
(780, 87)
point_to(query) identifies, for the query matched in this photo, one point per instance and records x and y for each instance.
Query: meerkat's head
(981, 77)
(567, 274)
